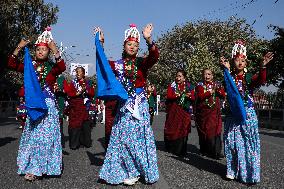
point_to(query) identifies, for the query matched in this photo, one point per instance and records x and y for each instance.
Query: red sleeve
(151, 59)
(69, 89)
(155, 93)
(111, 63)
(258, 79)
(21, 92)
(13, 63)
(91, 92)
(192, 97)
(221, 92)
(200, 93)
(171, 94)
(58, 68)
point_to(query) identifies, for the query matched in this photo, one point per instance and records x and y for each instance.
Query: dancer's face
(151, 88)
(80, 74)
(208, 75)
(41, 52)
(131, 48)
(240, 63)
(180, 78)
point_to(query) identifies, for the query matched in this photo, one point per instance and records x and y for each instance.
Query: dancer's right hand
(23, 43)
(225, 62)
(101, 34)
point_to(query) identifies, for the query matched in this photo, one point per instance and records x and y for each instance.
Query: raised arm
(59, 67)
(260, 78)
(13, 62)
(153, 56)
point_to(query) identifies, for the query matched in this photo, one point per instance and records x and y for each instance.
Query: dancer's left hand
(267, 58)
(54, 49)
(147, 30)
(101, 34)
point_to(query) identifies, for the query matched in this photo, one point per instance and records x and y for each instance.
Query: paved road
(194, 171)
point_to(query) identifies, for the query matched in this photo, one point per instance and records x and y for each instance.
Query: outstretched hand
(23, 43)
(147, 30)
(53, 47)
(225, 62)
(267, 58)
(101, 34)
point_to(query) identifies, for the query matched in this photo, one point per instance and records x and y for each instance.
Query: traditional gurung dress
(208, 118)
(40, 150)
(131, 151)
(79, 128)
(242, 143)
(178, 119)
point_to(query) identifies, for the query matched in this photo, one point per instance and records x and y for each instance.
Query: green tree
(20, 19)
(276, 71)
(198, 45)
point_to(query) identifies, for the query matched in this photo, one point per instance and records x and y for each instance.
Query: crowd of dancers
(129, 108)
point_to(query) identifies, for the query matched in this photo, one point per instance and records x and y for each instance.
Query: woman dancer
(131, 152)
(242, 144)
(208, 115)
(40, 151)
(180, 96)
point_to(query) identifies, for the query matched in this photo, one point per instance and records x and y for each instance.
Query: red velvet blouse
(57, 69)
(202, 94)
(143, 67)
(71, 91)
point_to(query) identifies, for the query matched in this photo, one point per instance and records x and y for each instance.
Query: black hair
(80, 67)
(207, 69)
(182, 72)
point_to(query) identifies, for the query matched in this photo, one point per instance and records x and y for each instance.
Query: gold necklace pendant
(128, 67)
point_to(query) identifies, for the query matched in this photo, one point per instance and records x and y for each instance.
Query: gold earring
(245, 70)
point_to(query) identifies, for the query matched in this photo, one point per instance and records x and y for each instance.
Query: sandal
(30, 177)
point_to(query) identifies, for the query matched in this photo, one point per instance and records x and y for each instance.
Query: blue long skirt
(132, 150)
(242, 148)
(40, 150)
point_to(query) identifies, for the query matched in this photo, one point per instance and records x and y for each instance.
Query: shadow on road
(194, 158)
(203, 163)
(280, 135)
(6, 140)
(190, 148)
(94, 159)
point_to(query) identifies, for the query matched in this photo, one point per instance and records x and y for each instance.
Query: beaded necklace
(214, 95)
(41, 72)
(130, 75)
(77, 84)
(178, 90)
(241, 85)
(182, 99)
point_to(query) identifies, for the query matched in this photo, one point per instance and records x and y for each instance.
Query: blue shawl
(234, 98)
(34, 97)
(108, 86)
